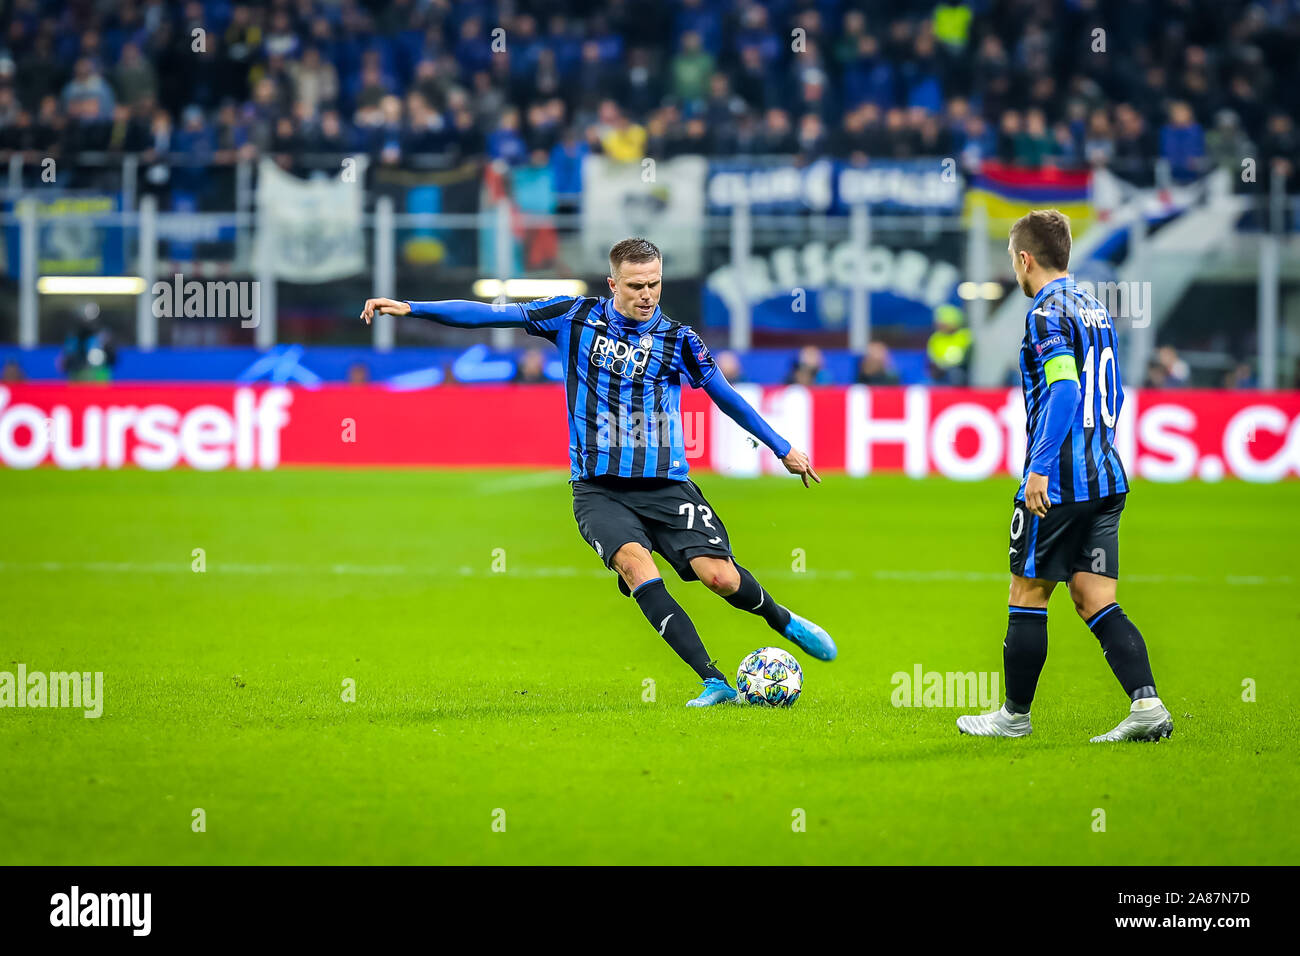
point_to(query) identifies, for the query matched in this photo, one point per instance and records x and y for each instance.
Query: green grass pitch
(488, 696)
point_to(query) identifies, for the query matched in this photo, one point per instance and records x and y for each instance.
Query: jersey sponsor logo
(619, 357)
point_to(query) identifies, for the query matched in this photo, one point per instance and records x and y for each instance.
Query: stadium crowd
(434, 82)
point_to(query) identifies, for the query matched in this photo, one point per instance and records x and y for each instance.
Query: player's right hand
(1036, 497)
(384, 307)
(797, 463)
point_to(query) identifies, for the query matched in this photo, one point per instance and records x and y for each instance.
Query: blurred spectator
(1099, 142)
(9, 108)
(134, 77)
(1009, 133)
(777, 135)
(877, 366)
(13, 373)
(1242, 375)
(1176, 369)
(358, 374)
(1281, 147)
(1166, 369)
(729, 365)
(690, 69)
(813, 139)
(1226, 144)
(1033, 144)
(505, 143)
(129, 132)
(722, 108)
(979, 143)
(315, 81)
(755, 83)
(619, 139)
(1133, 146)
(566, 170)
(949, 346)
(809, 368)
(952, 24)
(531, 368)
(88, 354)
(88, 96)
(196, 141)
(1157, 377)
(1182, 142)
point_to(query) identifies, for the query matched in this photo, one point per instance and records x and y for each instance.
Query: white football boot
(1000, 723)
(1148, 720)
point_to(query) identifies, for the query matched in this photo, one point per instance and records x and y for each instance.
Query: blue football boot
(715, 692)
(810, 638)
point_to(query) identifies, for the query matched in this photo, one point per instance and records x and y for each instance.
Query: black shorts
(1083, 536)
(671, 517)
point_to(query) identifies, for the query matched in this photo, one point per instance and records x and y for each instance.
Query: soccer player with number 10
(1065, 523)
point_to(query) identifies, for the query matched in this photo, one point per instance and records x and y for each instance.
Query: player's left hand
(384, 307)
(797, 463)
(1036, 499)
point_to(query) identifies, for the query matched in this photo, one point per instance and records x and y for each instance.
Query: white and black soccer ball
(769, 677)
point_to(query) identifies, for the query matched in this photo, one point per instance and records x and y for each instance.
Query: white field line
(513, 483)
(400, 570)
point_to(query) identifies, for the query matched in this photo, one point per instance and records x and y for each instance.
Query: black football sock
(667, 617)
(1125, 651)
(751, 597)
(1024, 653)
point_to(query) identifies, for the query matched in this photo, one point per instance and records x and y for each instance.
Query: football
(769, 677)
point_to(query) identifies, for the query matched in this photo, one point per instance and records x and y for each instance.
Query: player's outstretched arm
(459, 313)
(748, 418)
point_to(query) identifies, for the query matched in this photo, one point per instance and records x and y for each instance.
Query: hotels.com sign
(963, 434)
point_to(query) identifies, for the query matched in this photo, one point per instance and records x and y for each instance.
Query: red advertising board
(957, 433)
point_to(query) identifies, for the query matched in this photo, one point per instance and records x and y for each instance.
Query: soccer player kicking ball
(1065, 526)
(623, 365)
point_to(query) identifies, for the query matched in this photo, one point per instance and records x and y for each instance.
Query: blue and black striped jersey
(1067, 320)
(623, 384)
